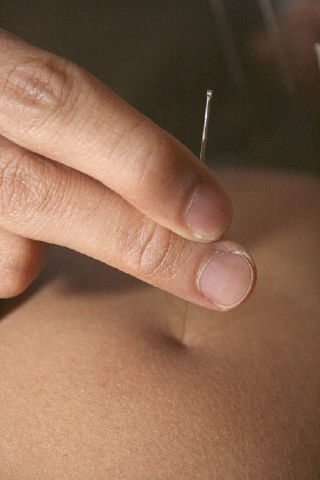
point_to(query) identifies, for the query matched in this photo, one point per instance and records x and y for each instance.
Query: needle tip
(209, 93)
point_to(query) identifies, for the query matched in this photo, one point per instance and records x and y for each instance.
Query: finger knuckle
(147, 168)
(159, 170)
(26, 185)
(36, 87)
(12, 185)
(150, 170)
(143, 167)
(158, 253)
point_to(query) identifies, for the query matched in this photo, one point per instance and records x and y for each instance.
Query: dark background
(162, 55)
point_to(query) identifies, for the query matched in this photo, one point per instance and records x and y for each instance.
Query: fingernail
(207, 215)
(226, 279)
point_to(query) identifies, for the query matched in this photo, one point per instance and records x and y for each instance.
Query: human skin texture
(81, 168)
(95, 382)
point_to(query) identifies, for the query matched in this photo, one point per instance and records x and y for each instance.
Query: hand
(79, 167)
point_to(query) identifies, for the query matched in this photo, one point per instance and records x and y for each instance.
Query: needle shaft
(202, 160)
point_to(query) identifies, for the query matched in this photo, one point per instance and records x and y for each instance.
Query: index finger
(55, 108)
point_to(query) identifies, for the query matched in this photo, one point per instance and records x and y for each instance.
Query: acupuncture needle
(316, 47)
(202, 160)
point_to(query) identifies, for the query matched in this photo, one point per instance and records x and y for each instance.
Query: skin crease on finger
(49, 202)
(56, 119)
(95, 383)
(56, 109)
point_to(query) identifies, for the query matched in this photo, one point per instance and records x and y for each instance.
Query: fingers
(46, 201)
(20, 261)
(56, 109)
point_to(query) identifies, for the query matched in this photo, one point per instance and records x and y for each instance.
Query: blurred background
(257, 55)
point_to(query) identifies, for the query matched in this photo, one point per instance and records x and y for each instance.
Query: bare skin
(81, 168)
(95, 383)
